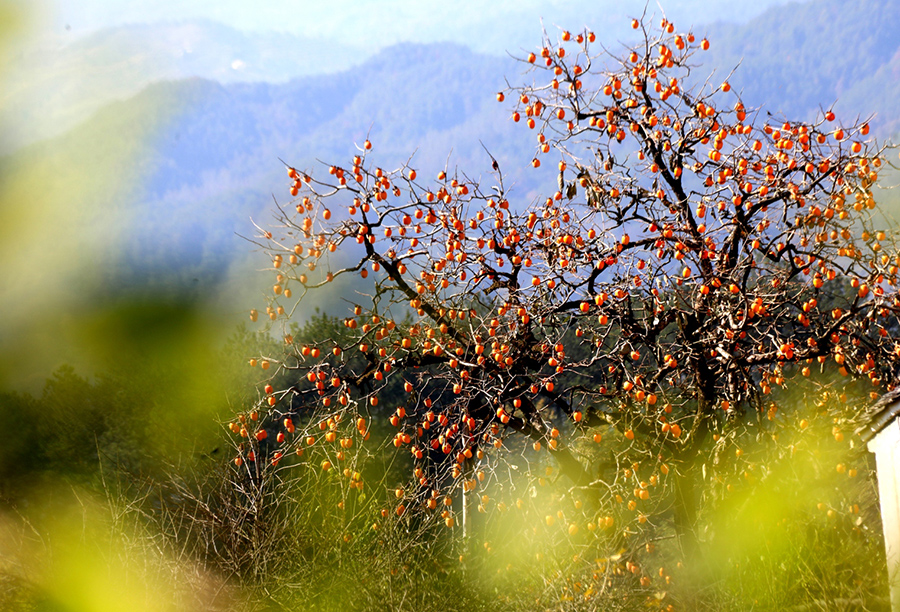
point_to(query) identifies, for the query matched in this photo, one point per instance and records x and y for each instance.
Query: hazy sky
(60, 85)
(377, 23)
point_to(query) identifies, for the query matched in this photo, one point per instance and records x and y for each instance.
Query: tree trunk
(685, 512)
(688, 487)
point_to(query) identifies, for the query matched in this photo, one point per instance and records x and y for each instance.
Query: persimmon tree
(696, 258)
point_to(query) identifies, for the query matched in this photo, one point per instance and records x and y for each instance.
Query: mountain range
(63, 75)
(153, 192)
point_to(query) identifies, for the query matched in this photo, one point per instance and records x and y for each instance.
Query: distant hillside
(801, 57)
(218, 164)
(192, 161)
